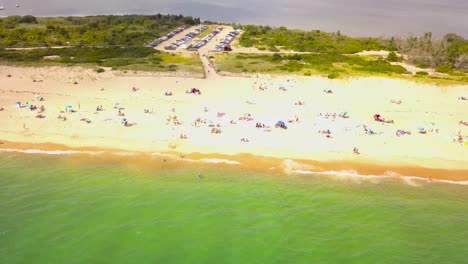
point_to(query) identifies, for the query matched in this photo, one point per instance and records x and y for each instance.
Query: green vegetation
(444, 68)
(96, 42)
(129, 30)
(393, 57)
(266, 37)
(451, 51)
(331, 64)
(206, 31)
(134, 58)
(422, 73)
(446, 54)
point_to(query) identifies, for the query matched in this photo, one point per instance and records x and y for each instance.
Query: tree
(28, 19)
(445, 68)
(393, 57)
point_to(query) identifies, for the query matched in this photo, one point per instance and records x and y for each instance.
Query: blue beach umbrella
(421, 129)
(68, 106)
(18, 103)
(280, 123)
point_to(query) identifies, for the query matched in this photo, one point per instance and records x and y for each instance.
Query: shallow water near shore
(61, 209)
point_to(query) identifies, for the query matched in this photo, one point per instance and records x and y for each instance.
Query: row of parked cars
(167, 36)
(205, 39)
(186, 38)
(225, 44)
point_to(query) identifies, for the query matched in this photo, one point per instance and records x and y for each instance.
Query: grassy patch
(144, 59)
(305, 64)
(266, 37)
(329, 65)
(128, 30)
(206, 31)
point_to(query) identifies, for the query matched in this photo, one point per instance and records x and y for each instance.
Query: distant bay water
(352, 17)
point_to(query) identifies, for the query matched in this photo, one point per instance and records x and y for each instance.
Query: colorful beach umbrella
(280, 123)
(68, 107)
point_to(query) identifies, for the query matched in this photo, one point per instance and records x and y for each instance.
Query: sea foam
(49, 152)
(232, 162)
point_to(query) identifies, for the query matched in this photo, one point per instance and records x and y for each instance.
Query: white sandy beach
(225, 100)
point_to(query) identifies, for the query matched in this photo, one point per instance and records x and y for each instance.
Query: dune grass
(144, 59)
(330, 65)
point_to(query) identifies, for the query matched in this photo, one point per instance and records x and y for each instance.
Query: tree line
(445, 54)
(128, 30)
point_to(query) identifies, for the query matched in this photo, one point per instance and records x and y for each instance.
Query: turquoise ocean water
(57, 209)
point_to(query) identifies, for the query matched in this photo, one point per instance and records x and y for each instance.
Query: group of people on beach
(215, 127)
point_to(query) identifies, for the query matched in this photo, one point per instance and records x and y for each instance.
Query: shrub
(393, 57)
(333, 75)
(444, 68)
(422, 73)
(100, 70)
(277, 57)
(422, 62)
(273, 49)
(307, 73)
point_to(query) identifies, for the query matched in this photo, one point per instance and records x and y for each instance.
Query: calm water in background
(57, 209)
(352, 17)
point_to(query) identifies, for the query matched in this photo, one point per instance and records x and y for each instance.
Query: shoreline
(186, 123)
(365, 168)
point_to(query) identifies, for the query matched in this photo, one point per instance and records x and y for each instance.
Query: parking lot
(203, 41)
(186, 39)
(167, 37)
(225, 43)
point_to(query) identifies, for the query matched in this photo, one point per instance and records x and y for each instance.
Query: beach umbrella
(68, 107)
(280, 123)
(421, 129)
(376, 116)
(29, 105)
(18, 103)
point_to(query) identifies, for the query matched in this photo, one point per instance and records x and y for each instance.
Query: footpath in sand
(234, 115)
